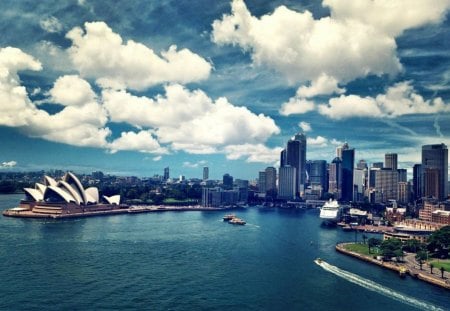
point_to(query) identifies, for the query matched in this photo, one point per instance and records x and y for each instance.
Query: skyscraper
(417, 181)
(287, 187)
(227, 181)
(390, 161)
(335, 178)
(317, 172)
(205, 173)
(271, 181)
(262, 182)
(296, 157)
(435, 171)
(166, 173)
(348, 163)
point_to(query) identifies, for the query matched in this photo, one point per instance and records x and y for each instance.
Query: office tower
(317, 172)
(377, 165)
(386, 184)
(403, 192)
(227, 181)
(402, 175)
(335, 178)
(287, 186)
(417, 181)
(348, 163)
(271, 181)
(166, 173)
(435, 171)
(390, 161)
(361, 165)
(241, 186)
(340, 149)
(296, 157)
(283, 157)
(359, 184)
(262, 182)
(205, 173)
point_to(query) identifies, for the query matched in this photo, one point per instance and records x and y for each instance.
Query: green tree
(439, 242)
(391, 248)
(431, 267)
(421, 256)
(373, 242)
(413, 246)
(442, 272)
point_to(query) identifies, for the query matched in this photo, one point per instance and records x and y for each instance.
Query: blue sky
(132, 87)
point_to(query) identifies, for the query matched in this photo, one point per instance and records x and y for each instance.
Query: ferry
(228, 217)
(330, 212)
(237, 221)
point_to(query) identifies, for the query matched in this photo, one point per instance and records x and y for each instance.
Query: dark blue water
(189, 261)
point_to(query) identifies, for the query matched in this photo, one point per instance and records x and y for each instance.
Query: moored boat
(330, 212)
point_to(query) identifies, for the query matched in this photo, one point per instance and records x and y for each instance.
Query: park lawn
(362, 249)
(441, 263)
(172, 200)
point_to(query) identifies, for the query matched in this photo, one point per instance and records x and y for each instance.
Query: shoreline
(117, 211)
(413, 272)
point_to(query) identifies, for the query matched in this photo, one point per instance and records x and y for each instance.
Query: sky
(131, 87)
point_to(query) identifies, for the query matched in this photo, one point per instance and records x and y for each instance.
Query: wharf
(114, 211)
(411, 269)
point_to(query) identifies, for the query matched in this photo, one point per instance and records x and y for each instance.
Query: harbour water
(194, 261)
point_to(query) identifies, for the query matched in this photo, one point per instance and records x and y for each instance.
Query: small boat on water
(237, 221)
(228, 217)
(318, 261)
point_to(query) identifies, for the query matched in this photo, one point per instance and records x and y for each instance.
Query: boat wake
(375, 287)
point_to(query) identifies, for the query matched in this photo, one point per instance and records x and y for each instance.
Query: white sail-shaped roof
(68, 188)
(115, 199)
(48, 181)
(40, 187)
(92, 195)
(72, 180)
(35, 194)
(65, 196)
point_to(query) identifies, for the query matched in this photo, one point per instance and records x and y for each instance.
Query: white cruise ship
(330, 212)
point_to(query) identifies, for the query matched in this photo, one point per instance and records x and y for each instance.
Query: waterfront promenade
(409, 266)
(115, 211)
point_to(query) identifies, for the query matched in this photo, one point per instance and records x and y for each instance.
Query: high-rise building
(348, 164)
(166, 173)
(361, 165)
(296, 157)
(317, 172)
(403, 192)
(262, 182)
(377, 165)
(359, 184)
(402, 175)
(227, 181)
(386, 181)
(417, 181)
(271, 181)
(205, 173)
(335, 178)
(390, 161)
(287, 186)
(283, 157)
(435, 171)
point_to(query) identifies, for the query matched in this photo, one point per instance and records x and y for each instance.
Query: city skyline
(138, 87)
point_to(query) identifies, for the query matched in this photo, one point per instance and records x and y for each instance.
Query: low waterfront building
(441, 217)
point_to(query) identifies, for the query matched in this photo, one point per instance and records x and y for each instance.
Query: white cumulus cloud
(318, 141)
(253, 153)
(400, 99)
(100, 53)
(71, 90)
(356, 40)
(142, 141)
(305, 126)
(192, 121)
(297, 105)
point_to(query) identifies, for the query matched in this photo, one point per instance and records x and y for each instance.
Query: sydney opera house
(66, 197)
